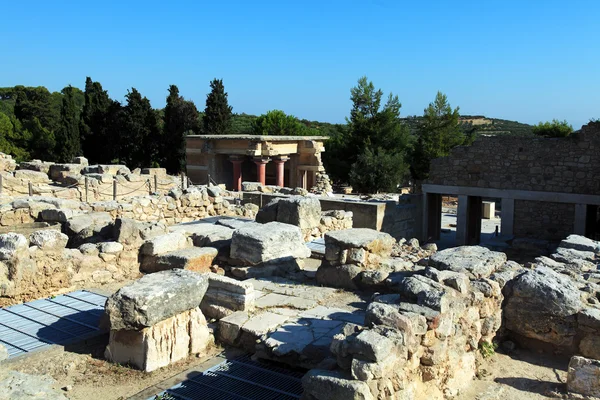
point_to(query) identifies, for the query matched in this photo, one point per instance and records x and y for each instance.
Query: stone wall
(179, 206)
(566, 165)
(543, 220)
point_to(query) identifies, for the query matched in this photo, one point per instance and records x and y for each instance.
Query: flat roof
(259, 138)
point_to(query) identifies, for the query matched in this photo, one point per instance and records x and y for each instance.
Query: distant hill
(474, 125)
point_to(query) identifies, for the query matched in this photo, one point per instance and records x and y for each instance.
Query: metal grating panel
(60, 320)
(238, 379)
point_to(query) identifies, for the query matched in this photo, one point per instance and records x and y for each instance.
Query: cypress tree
(67, 136)
(217, 114)
(96, 124)
(140, 135)
(180, 119)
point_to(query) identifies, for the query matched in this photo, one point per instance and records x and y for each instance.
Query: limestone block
(36, 165)
(32, 176)
(161, 344)
(334, 385)
(11, 244)
(110, 247)
(251, 186)
(165, 243)
(155, 297)
(257, 244)
(198, 259)
(55, 170)
(230, 327)
(584, 376)
(373, 241)
(303, 212)
(84, 227)
(371, 346)
(129, 231)
(542, 300)
(51, 239)
(475, 261)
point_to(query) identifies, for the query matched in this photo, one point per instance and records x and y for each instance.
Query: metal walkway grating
(238, 379)
(62, 320)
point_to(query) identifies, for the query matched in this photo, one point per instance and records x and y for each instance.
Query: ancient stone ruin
(337, 290)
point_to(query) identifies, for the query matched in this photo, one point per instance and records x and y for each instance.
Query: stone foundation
(162, 344)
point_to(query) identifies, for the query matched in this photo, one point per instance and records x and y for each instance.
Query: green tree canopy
(554, 129)
(180, 119)
(277, 123)
(437, 133)
(370, 153)
(217, 114)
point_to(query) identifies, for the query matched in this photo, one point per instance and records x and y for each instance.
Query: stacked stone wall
(543, 220)
(568, 165)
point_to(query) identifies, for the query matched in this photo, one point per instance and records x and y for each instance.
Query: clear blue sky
(526, 60)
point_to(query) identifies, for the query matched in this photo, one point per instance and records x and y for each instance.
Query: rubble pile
(322, 185)
(423, 337)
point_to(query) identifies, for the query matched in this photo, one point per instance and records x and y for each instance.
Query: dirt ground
(520, 375)
(83, 375)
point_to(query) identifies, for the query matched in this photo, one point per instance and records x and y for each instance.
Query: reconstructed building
(549, 187)
(291, 161)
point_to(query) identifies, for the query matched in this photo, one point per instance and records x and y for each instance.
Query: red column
(280, 164)
(237, 172)
(260, 169)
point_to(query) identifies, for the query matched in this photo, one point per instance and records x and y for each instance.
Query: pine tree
(96, 126)
(180, 119)
(376, 142)
(67, 136)
(438, 132)
(217, 114)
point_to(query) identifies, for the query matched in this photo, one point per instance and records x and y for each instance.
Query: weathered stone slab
(110, 247)
(257, 244)
(163, 343)
(580, 243)
(198, 259)
(476, 261)
(583, 376)
(294, 336)
(263, 323)
(280, 300)
(374, 241)
(155, 297)
(129, 231)
(165, 243)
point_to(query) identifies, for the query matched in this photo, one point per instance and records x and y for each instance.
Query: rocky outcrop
(582, 377)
